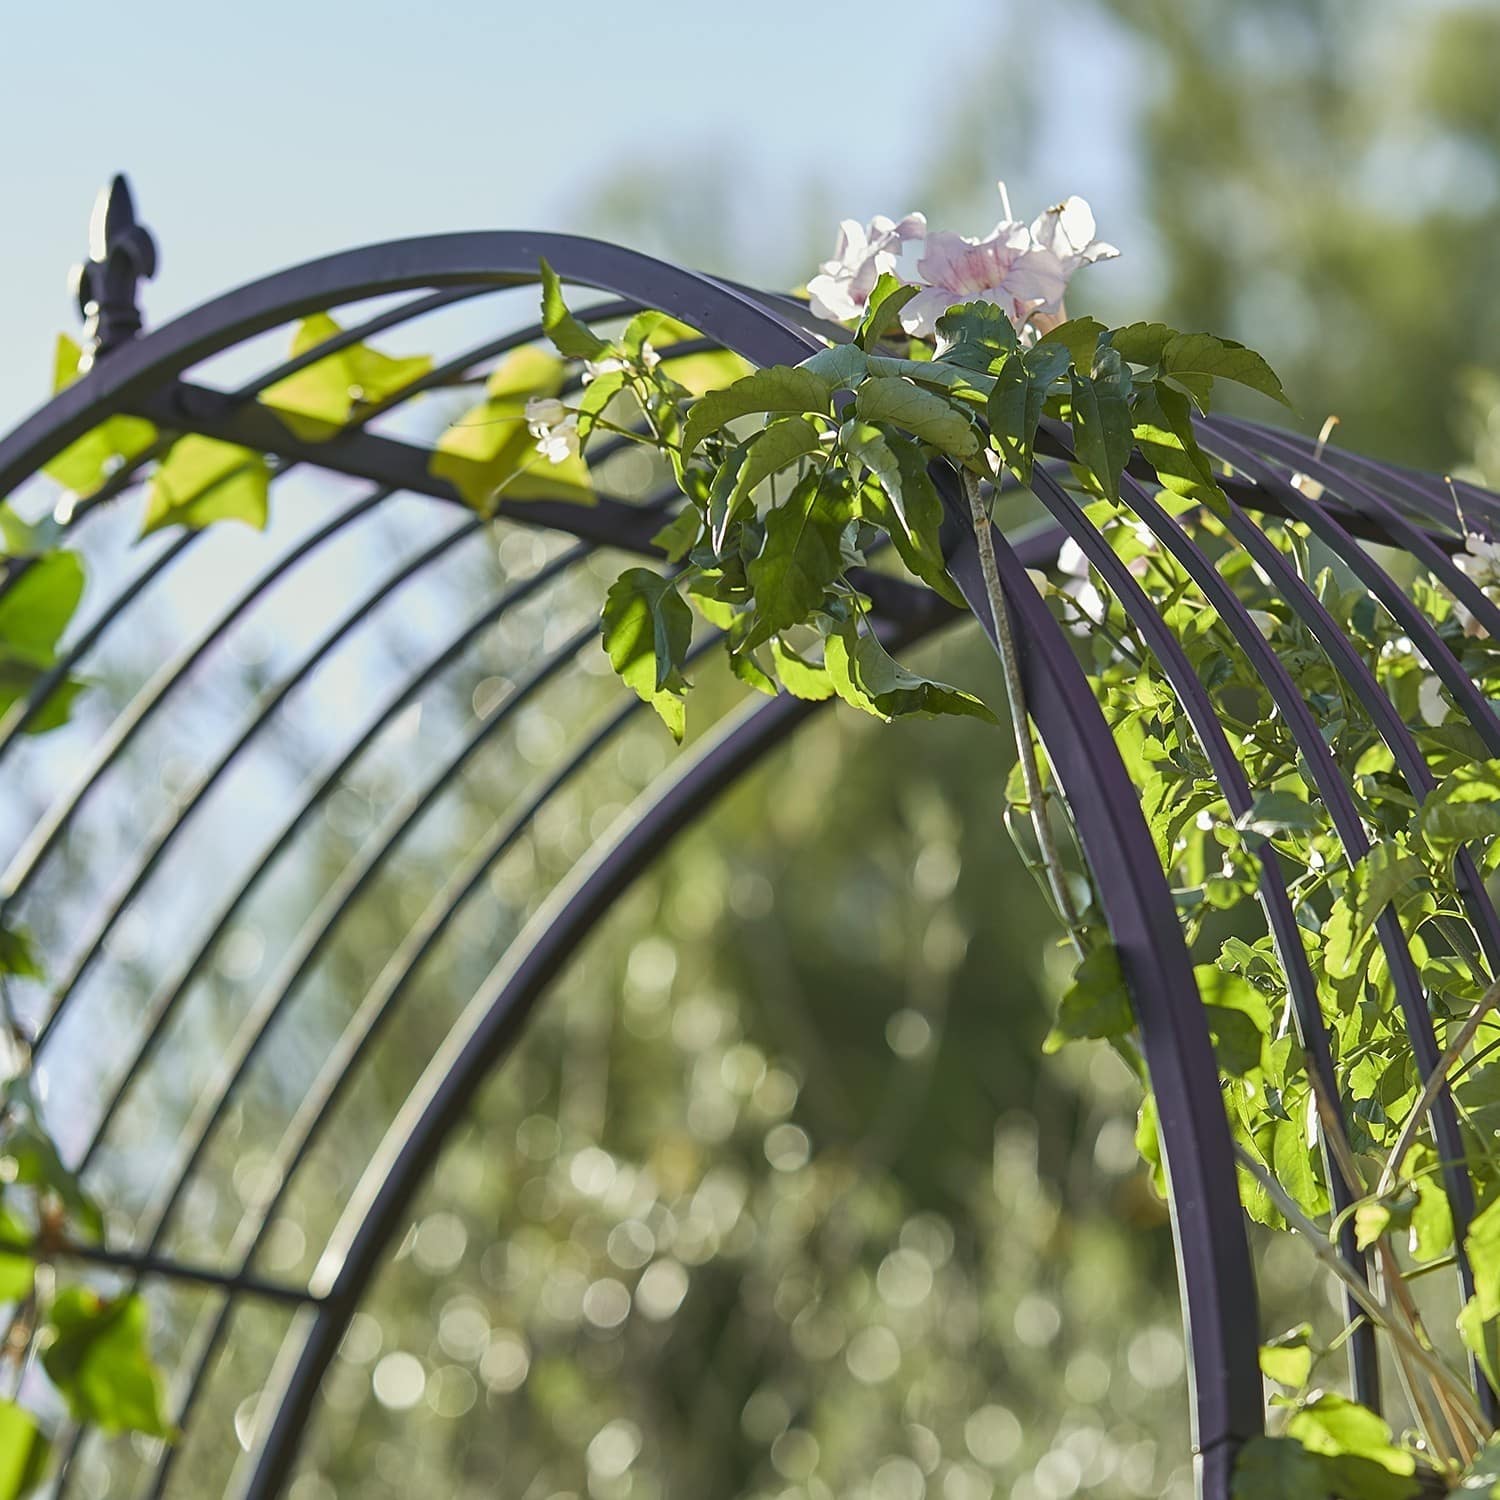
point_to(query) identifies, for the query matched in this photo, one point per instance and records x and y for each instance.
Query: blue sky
(260, 135)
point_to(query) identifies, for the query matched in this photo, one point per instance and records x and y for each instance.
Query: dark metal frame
(146, 375)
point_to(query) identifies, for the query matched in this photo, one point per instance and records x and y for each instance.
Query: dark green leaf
(1279, 1468)
(865, 674)
(905, 503)
(801, 554)
(778, 388)
(1142, 343)
(976, 336)
(1164, 430)
(924, 414)
(883, 309)
(1191, 354)
(842, 366)
(1080, 337)
(1096, 1003)
(647, 629)
(1102, 436)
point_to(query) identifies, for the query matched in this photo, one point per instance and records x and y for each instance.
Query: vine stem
(1435, 1080)
(1020, 721)
(1438, 1372)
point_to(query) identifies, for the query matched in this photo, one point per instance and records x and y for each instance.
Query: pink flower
(1002, 268)
(863, 253)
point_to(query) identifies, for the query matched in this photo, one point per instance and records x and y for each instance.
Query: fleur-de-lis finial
(121, 254)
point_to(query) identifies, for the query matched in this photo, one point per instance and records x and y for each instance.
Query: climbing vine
(952, 379)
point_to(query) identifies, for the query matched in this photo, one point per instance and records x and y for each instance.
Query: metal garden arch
(151, 375)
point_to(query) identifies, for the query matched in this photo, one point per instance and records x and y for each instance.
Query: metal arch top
(144, 374)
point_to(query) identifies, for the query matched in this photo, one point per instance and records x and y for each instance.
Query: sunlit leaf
(202, 480)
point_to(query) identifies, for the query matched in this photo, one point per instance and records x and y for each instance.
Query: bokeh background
(780, 1196)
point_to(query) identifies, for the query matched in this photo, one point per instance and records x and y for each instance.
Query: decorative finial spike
(121, 254)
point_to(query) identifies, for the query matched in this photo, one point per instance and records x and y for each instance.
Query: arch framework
(157, 376)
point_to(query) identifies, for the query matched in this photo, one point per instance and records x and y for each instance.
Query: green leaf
(1015, 405)
(1465, 806)
(17, 1264)
(1189, 354)
(36, 609)
(489, 456)
(1142, 343)
(1279, 1468)
(976, 336)
(569, 337)
(1295, 1168)
(778, 388)
(1483, 1474)
(1288, 1358)
(18, 954)
(865, 674)
(680, 535)
(751, 673)
(317, 402)
(20, 538)
(87, 462)
(924, 414)
(1102, 434)
(202, 480)
(904, 502)
(883, 309)
(647, 629)
(28, 1156)
(24, 1451)
(1386, 872)
(798, 676)
(782, 442)
(1273, 813)
(1163, 426)
(95, 1351)
(1080, 337)
(801, 554)
(1097, 1002)
(842, 366)
(1334, 1425)
(1378, 1216)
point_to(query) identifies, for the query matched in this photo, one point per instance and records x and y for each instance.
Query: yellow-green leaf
(202, 481)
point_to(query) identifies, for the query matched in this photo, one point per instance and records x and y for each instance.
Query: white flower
(862, 255)
(1065, 237)
(555, 428)
(558, 444)
(594, 368)
(1431, 703)
(543, 412)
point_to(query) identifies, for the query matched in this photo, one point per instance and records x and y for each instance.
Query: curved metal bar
(490, 258)
(338, 1069)
(1213, 1257)
(164, 1004)
(1421, 544)
(1302, 986)
(25, 712)
(485, 1031)
(346, 338)
(166, 834)
(255, 1025)
(24, 866)
(1329, 780)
